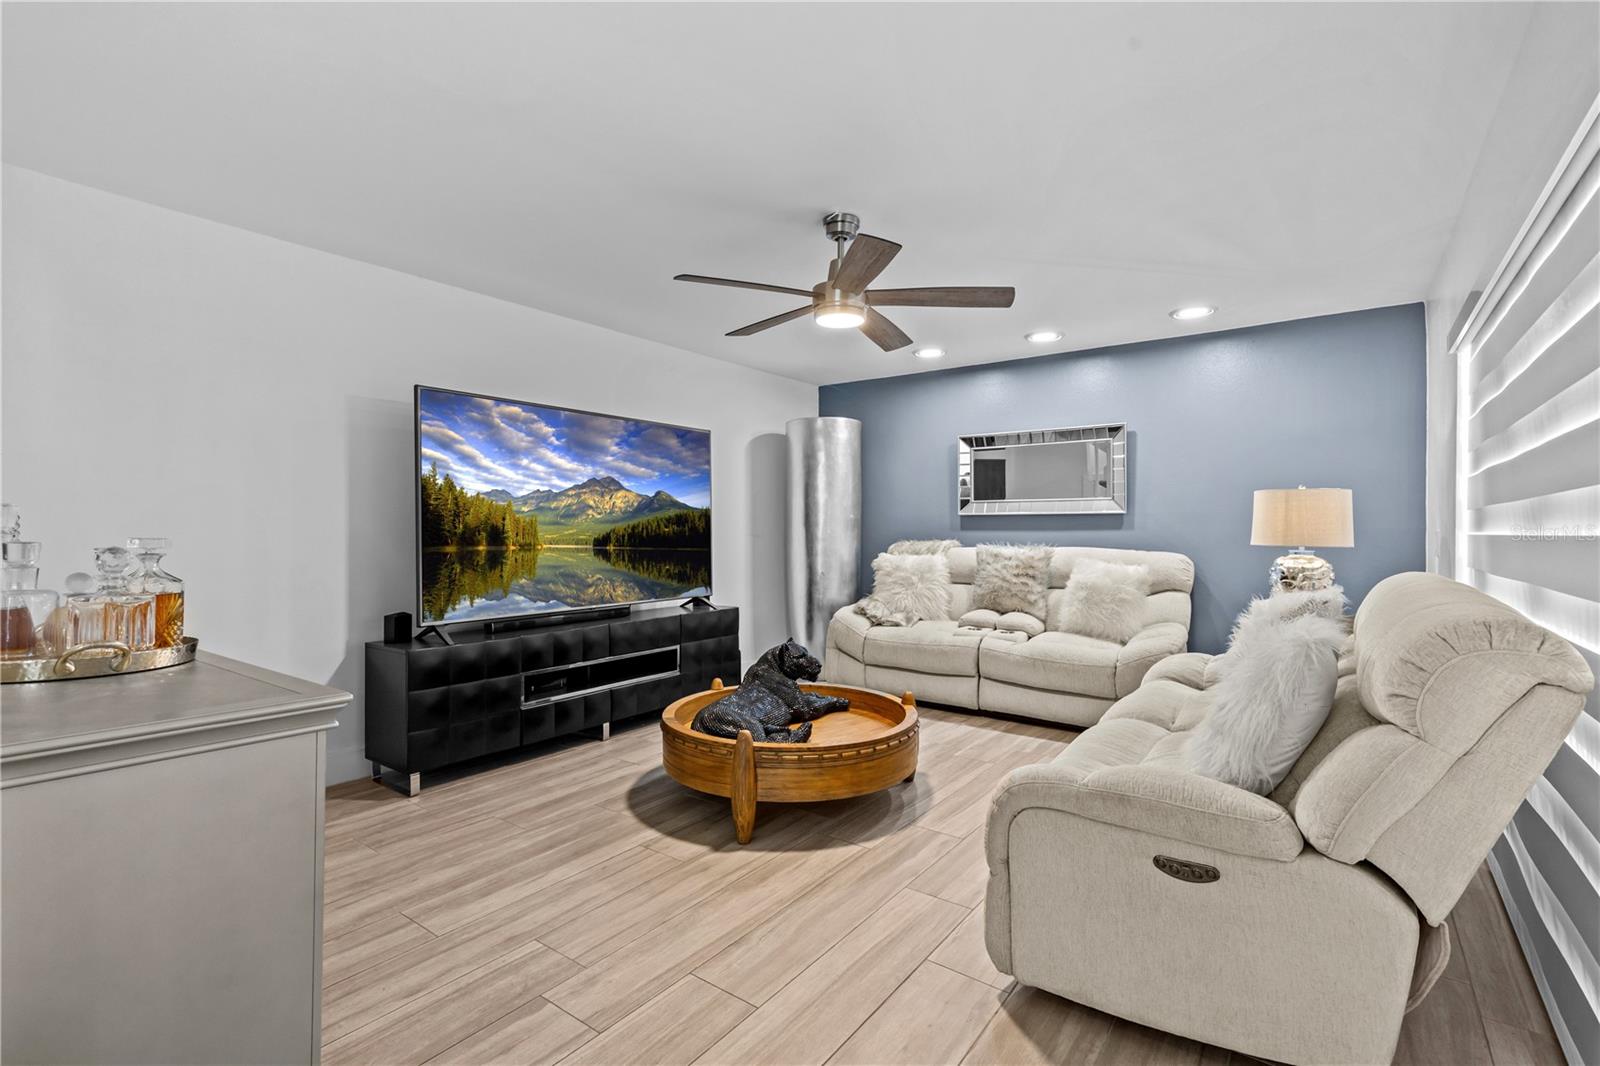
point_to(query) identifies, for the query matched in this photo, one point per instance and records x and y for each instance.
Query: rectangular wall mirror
(1077, 470)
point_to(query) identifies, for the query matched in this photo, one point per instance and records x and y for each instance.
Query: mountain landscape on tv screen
(589, 507)
(503, 533)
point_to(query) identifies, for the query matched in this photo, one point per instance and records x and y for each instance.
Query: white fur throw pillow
(908, 589)
(1270, 701)
(1284, 607)
(922, 547)
(1012, 578)
(1103, 600)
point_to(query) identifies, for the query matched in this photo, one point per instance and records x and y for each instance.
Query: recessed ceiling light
(929, 353)
(1043, 336)
(1185, 314)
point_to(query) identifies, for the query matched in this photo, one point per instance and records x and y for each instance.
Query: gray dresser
(161, 840)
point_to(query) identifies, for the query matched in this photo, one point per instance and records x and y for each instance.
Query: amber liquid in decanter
(169, 619)
(17, 634)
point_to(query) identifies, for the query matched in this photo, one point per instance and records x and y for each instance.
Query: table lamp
(1303, 519)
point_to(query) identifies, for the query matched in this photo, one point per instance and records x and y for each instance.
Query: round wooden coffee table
(867, 748)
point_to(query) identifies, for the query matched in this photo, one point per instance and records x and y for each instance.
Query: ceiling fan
(844, 301)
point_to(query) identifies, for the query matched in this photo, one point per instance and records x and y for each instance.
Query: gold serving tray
(104, 659)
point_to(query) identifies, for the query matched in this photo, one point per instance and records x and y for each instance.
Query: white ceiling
(1110, 161)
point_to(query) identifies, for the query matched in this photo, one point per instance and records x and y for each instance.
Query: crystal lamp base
(1300, 571)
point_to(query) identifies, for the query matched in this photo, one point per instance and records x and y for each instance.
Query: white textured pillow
(916, 587)
(1012, 578)
(1270, 701)
(1104, 600)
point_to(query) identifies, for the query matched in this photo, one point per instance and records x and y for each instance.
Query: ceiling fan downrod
(842, 227)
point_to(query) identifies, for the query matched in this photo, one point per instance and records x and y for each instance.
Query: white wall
(166, 375)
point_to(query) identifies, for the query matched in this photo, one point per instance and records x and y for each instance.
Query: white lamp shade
(1310, 518)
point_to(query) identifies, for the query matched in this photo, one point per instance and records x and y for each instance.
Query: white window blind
(1528, 532)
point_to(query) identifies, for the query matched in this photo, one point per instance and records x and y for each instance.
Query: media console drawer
(429, 705)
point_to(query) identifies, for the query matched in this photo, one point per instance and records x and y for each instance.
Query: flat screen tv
(524, 509)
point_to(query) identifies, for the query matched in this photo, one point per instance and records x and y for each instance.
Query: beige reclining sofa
(1285, 926)
(1059, 677)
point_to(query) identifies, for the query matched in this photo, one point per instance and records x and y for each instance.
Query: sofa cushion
(1060, 662)
(1165, 702)
(929, 647)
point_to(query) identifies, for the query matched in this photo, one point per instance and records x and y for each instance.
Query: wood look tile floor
(579, 906)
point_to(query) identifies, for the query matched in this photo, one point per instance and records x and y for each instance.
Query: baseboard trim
(346, 764)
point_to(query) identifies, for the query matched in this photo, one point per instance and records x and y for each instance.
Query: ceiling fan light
(842, 318)
(839, 310)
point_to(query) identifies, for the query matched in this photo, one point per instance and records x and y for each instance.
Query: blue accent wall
(1333, 401)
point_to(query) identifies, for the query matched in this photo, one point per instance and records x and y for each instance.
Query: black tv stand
(431, 704)
(435, 631)
(697, 603)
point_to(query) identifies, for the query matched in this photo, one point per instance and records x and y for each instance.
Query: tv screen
(524, 509)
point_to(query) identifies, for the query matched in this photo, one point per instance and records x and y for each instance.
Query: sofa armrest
(1194, 669)
(1149, 646)
(848, 632)
(1184, 807)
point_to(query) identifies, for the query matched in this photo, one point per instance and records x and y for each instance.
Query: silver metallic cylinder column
(824, 548)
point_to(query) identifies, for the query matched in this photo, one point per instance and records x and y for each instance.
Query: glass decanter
(111, 612)
(25, 608)
(150, 578)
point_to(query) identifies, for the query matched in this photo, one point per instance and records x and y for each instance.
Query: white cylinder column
(824, 549)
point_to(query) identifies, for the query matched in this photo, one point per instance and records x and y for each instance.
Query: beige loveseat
(1060, 677)
(1285, 926)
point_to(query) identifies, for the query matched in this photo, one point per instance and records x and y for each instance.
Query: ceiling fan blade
(730, 283)
(768, 323)
(949, 296)
(865, 260)
(884, 334)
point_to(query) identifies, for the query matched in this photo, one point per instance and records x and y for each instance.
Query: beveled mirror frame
(1115, 434)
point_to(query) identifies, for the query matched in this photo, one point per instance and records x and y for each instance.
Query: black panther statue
(768, 701)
